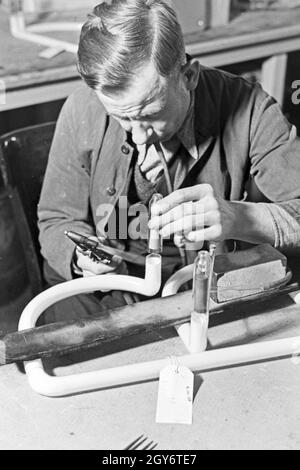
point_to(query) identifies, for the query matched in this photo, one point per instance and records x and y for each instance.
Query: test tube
(201, 282)
(200, 314)
(155, 240)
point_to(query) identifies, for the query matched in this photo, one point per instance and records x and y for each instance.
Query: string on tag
(174, 364)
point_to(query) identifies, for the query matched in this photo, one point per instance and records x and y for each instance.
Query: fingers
(91, 267)
(207, 234)
(183, 225)
(203, 206)
(194, 193)
(193, 212)
(88, 265)
(191, 223)
(187, 216)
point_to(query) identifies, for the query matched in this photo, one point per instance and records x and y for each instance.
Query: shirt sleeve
(64, 201)
(275, 167)
(286, 222)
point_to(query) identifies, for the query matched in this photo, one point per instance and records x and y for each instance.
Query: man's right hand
(90, 268)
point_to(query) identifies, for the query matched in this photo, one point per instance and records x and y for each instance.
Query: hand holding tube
(194, 212)
(89, 260)
(90, 266)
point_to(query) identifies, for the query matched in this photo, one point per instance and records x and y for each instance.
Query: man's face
(153, 108)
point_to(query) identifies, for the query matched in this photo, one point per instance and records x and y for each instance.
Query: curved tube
(39, 380)
(47, 385)
(51, 386)
(148, 286)
(175, 282)
(171, 288)
(198, 332)
(297, 299)
(190, 333)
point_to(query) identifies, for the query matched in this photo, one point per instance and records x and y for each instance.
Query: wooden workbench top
(251, 407)
(20, 65)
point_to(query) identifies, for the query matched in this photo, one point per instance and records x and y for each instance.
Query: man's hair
(122, 35)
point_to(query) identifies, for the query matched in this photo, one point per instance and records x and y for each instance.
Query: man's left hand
(195, 212)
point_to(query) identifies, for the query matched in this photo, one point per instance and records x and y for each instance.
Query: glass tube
(201, 285)
(200, 314)
(155, 240)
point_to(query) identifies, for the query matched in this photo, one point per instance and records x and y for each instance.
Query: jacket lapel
(111, 173)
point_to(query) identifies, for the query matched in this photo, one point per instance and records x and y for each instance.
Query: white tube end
(199, 330)
(184, 332)
(297, 299)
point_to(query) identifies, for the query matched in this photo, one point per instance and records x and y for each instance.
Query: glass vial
(201, 284)
(155, 240)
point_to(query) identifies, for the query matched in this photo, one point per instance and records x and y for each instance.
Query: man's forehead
(148, 87)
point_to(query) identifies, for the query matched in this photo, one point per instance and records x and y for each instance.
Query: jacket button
(111, 191)
(125, 149)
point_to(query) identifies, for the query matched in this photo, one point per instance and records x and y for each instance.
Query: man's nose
(141, 133)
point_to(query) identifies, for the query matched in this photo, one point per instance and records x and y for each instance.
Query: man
(233, 159)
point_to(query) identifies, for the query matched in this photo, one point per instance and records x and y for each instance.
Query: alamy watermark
(296, 93)
(128, 221)
(2, 93)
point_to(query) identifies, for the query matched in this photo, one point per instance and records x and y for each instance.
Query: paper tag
(175, 395)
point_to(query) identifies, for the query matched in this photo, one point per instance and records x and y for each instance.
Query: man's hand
(198, 214)
(89, 267)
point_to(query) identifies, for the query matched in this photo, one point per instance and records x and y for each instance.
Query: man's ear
(191, 71)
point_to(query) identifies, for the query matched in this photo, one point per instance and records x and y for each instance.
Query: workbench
(266, 35)
(255, 406)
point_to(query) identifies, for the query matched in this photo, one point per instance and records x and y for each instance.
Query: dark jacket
(247, 151)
